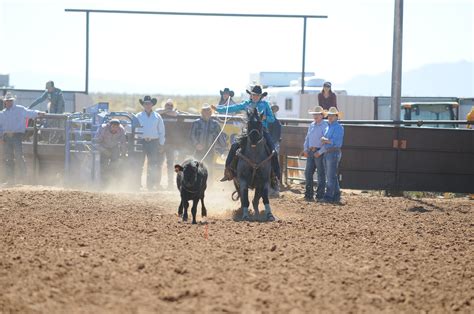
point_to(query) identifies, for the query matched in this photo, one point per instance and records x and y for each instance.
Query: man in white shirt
(13, 119)
(152, 138)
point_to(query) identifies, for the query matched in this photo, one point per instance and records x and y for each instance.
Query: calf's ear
(178, 168)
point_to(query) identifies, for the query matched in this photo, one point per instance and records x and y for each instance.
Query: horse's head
(254, 126)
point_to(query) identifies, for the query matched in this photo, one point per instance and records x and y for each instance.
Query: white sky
(201, 55)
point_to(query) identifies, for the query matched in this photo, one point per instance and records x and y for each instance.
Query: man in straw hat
(332, 143)
(152, 138)
(312, 151)
(13, 119)
(204, 132)
(263, 107)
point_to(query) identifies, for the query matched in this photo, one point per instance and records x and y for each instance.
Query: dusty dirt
(64, 251)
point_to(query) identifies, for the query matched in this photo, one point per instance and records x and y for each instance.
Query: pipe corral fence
(376, 155)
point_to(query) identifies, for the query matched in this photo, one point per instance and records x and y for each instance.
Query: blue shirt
(262, 107)
(14, 119)
(55, 98)
(313, 137)
(152, 126)
(335, 133)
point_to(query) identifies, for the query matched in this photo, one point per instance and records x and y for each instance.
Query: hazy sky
(201, 55)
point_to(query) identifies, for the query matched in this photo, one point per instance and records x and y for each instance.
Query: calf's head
(190, 171)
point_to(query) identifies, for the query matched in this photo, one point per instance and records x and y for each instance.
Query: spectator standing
(274, 129)
(152, 139)
(225, 95)
(326, 98)
(204, 132)
(332, 142)
(314, 159)
(112, 145)
(13, 120)
(169, 115)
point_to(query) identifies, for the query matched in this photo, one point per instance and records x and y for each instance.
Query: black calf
(191, 180)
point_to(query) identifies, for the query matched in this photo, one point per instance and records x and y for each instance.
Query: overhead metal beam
(88, 11)
(197, 13)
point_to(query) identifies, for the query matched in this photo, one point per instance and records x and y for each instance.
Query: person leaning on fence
(169, 114)
(263, 107)
(111, 142)
(315, 160)
(204, 132)
(326, 98)
(13, 119)
(152, 139)
(331, 151)
(56, 105)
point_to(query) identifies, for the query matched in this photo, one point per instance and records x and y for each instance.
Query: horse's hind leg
(255, 201)
(268, 211)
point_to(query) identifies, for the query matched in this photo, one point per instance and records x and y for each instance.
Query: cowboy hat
(147, 99)
(114, 121)
(328, 84)
(256, 90)
(227, 91)
(206, 107)
(333, 111)
(9, 96)
(317, 110)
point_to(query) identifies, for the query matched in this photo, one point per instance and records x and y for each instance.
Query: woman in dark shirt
(326, 97)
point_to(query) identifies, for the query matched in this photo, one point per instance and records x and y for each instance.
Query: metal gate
(399, 158)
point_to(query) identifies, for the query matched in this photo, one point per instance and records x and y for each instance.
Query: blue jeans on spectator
(312, 164)
(13, 153)
(331, 165)
(150, 151)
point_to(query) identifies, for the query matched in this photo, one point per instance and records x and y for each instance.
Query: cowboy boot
(228, 175)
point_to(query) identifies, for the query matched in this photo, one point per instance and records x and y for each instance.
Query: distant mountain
(443, 79)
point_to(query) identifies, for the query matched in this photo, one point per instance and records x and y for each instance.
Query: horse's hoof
(246, 218)
(270, 217)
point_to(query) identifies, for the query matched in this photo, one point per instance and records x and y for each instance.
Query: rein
(253, 164)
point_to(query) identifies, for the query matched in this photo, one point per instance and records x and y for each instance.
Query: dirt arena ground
(66, 251)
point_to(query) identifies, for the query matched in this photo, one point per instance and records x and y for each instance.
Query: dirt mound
(65, 251)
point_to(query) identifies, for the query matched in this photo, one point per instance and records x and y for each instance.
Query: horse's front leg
(256, 199)
(244, 199)
(266, 201)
